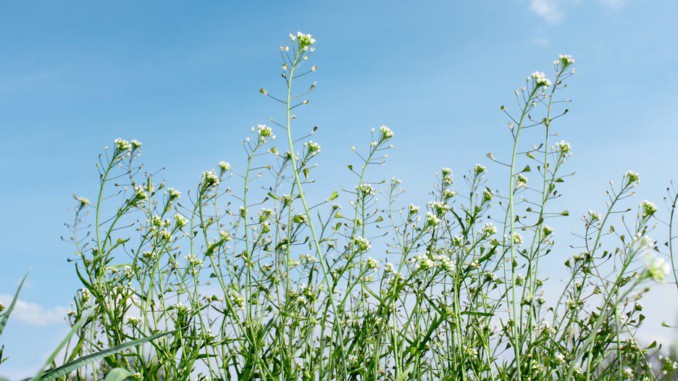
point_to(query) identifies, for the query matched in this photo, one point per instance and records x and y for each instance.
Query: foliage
(261, 283)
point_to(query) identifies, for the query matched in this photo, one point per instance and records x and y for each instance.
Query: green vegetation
(258, 282)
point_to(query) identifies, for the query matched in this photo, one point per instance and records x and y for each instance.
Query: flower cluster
(594, 216)
(563, 147)
(439, 207)
(657, 269)
(431, 219)
(386, 133)
(122, 145)
(173, 193)
(647, 208)
(305, 40)
(180, 220)
(366, 190)
(565, 60)
(313, 148)
(372, 263)
(362, 244)
(488, 229)
(209, 179)
(632, 177)
(430, 261)
(540, 79)
(224, 166)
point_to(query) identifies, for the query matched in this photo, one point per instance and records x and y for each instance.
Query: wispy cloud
(541, 41)
(549, 10)
(33, 313)
(552, 10)
(614, 4)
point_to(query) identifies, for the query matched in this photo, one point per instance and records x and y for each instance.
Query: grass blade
(73, 365)
(5, 316)
(119, 374)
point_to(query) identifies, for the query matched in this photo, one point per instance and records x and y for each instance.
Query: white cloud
(614, 4)
(552, 10)
(549, 10)
(541, 41)
(33, 313)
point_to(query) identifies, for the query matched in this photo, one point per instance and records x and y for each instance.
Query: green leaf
(403, 375)
(73, 365)
(119, 242)
(119, 374)
(476, 313)
(63, 343)
(5, 315)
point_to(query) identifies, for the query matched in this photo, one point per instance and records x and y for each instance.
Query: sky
(183, 78)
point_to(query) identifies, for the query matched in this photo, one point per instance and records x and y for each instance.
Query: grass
(259, 283)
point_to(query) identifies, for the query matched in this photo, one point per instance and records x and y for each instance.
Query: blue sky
(183, 78)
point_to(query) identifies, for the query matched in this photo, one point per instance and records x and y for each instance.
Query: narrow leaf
(119, 374)
(73, 365)
(5, 316)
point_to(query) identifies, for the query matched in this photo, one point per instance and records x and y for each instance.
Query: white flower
(658, 269)
(628, 372)
(173, 193)
(431, 219)
(645, 243)
(181, 220)
(210, 178)
(517, 239)
(547, 230)
(422, 262)
(647, 208)
(566, 60)
(313, 147)
(479, 169)
(540, 79)
(386, 132)
(633, 177)
(362, 243)
(304, 40)
(135, 144)
(439, 207)
(366, 190)
(488, 229)
(413, 209)
(264, 131)
(182, 308)
(595, 216)
(122, 145)
(487, 195)
(372, 263)
(139, 193)
(447, 176)
(193, 260)
(563, 147)
(224, 166)
(235, 298)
